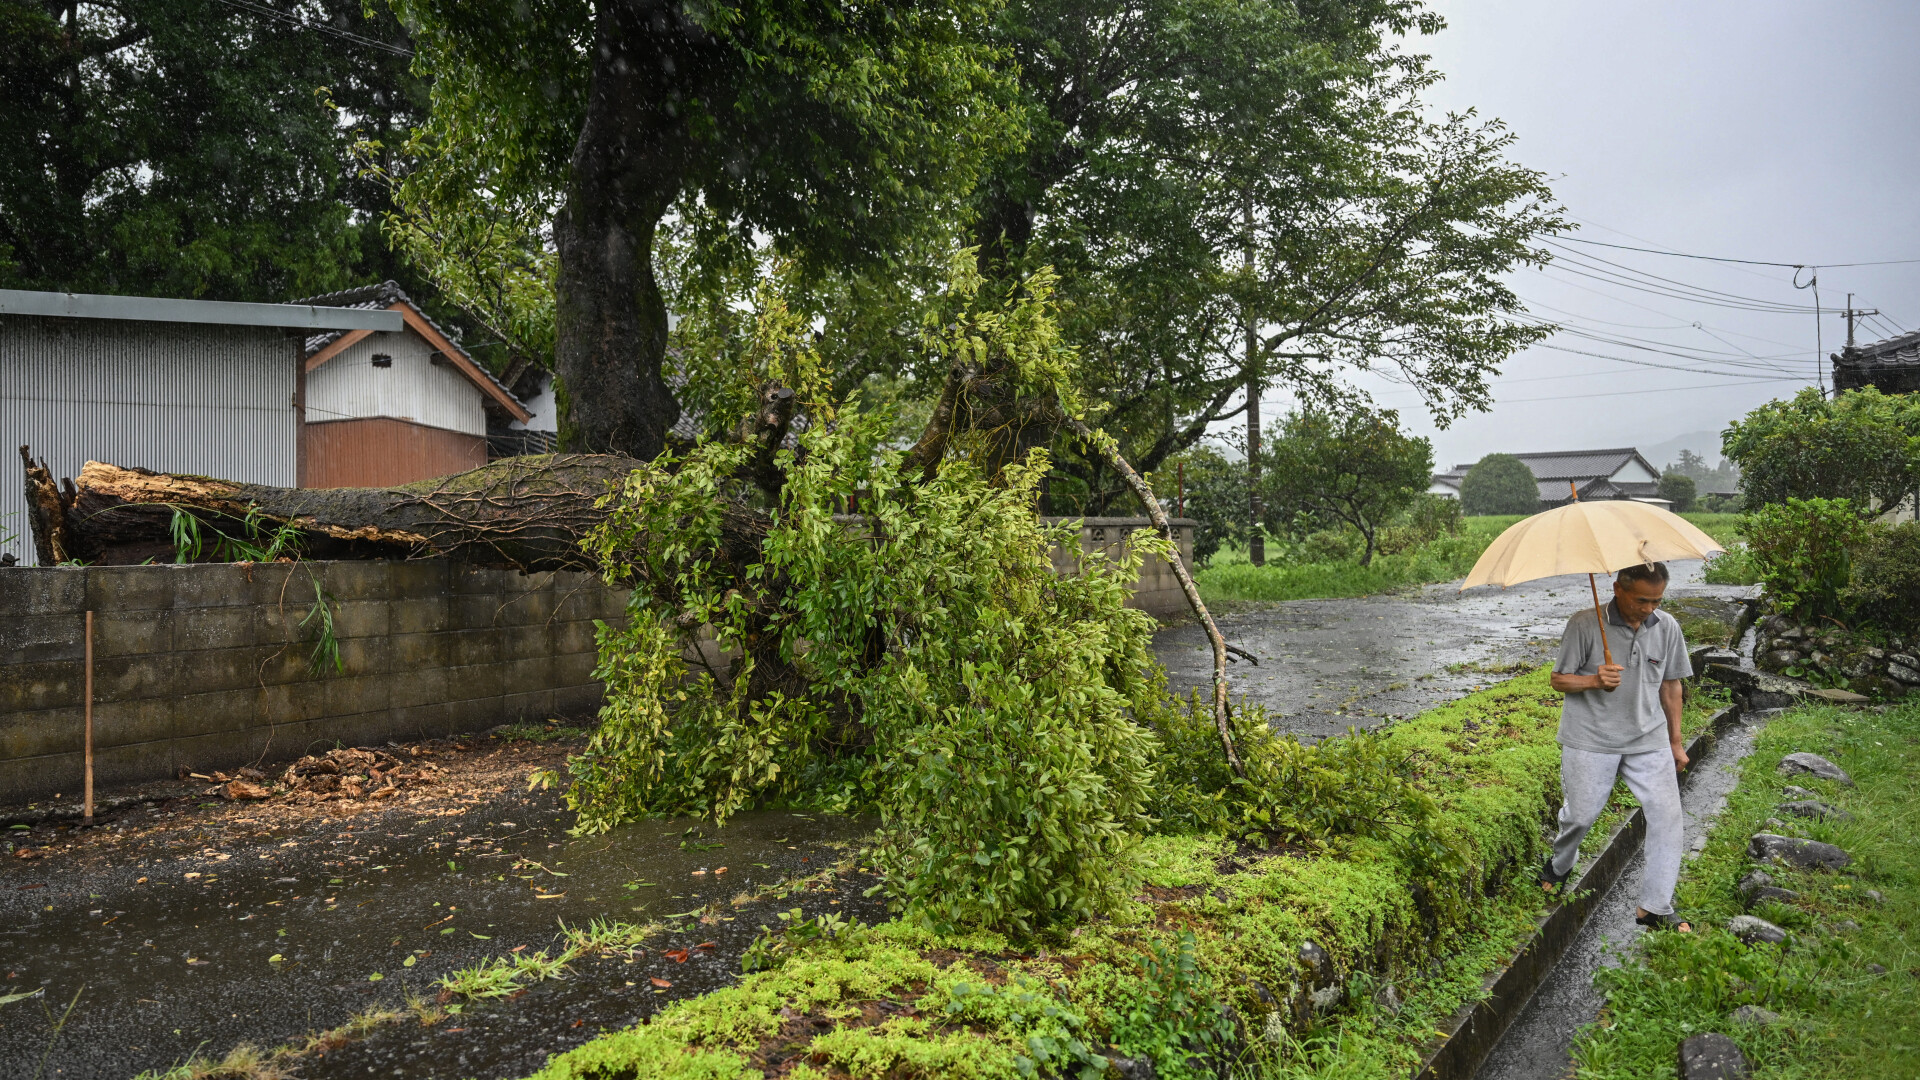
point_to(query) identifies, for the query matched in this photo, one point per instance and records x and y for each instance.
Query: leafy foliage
(1679, 489)
(1499, 484)
(1197, 167)
(1801, 548)
(193, 148)
(1355, 466)
(1884, 585)
(924, 661)
(1862, 446)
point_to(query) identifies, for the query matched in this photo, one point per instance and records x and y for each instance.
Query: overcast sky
(1767, 130)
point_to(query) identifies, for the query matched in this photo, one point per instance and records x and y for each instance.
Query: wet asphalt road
(1326, 665)
(1537, 1046)
(173, 955)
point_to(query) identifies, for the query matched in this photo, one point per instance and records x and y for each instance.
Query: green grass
(1842, 1020)
(1230, 577)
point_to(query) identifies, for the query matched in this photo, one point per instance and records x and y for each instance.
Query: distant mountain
(1663, 454)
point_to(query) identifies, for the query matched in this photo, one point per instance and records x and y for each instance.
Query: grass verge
(1838, 1016)
(1230, 577)
(1338, 961)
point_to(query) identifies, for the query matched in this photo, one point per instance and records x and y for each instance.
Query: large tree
(834, 129)
(1244, 194)
(195, 148)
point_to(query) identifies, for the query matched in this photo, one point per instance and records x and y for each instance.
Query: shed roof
(306, 314)
(389, 296)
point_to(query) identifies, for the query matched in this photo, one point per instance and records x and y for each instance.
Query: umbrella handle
(1599, 617)
(1600, 620)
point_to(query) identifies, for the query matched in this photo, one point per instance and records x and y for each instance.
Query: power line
(1744, 262)
(1653, 390)
(288, 17)
(1634, 276)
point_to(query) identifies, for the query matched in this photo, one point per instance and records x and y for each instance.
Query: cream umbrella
(1588, 538)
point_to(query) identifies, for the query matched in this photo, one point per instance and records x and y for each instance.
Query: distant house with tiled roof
(1620, 473)
(389, 408)
(1892, 365)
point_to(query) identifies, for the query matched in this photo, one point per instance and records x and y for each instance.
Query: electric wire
(1744, 262)
(289, 17)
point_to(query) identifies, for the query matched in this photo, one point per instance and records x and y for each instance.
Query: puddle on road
(186, 960)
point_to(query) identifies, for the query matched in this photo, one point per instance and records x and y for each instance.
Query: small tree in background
(1499, 484)
(1678, 488)
(1862, 446)
(1357, 467)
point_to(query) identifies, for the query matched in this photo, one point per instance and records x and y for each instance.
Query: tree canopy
(1679, 489)
(1353, 466)
(192, 148)
(1499, 484)
(1859, 445)
(836, 130)
(1243, 194)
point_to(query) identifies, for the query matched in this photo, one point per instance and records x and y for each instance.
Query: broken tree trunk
(527, 513)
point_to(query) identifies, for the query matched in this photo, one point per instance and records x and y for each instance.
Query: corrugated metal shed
(173, 385)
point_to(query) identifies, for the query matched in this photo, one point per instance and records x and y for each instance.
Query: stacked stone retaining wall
(210, 666)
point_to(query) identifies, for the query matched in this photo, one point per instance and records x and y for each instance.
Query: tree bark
(526, 514)
(628, 166)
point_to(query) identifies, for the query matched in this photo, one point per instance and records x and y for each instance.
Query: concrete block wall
(1158, 592)
(206, 666)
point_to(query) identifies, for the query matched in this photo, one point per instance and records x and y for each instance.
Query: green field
(1230, 577)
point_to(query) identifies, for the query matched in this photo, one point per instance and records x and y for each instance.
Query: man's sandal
(1553, 884)
(1670, 921)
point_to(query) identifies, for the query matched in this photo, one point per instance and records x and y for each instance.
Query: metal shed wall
(175, 397)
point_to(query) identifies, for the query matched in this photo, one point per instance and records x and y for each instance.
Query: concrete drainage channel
(1522, 1028)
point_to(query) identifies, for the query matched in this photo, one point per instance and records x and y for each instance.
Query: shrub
(1678, 489)
(1861, 445)
(1885, 582)
(1499, 484)
(1428, 519)
(1354, 467)
(1801, 550)
(1733, 566)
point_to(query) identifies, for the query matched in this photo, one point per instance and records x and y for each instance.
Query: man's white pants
(1587, 778)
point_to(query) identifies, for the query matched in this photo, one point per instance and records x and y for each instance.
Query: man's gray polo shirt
(1629, 720)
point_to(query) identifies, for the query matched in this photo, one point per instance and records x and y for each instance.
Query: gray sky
(1781, 131)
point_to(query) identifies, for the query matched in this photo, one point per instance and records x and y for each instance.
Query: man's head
(1637, 590)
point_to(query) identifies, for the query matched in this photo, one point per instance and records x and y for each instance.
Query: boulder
(1756, 897)
(1752, 928)
(1805, 854)
(1813, 808)
(1802, 763)
(1905, 674)
(1793, 791)
(1836, 697)
(1711, 1056)
(1754, 1014)
(1755, 879)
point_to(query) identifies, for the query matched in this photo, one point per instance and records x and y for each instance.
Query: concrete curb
(1469, 1035)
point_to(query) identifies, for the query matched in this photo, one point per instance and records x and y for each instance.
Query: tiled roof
(1904, 349)
(1574, 464)
(380, 297)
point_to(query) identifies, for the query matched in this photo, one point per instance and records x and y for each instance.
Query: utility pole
(1256, 540)
(1852, 312)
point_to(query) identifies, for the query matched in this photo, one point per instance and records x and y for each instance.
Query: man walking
(1623, 719)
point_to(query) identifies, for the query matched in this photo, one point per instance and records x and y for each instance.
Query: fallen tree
(521, 513)
(892, 635)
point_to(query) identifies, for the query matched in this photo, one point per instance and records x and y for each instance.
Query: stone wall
(1158, 592)
(207, 666)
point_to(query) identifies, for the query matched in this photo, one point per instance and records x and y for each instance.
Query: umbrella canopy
(1588, 538)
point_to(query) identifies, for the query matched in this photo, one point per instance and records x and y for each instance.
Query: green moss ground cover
(1230, 577)
(1840, 1018)
(1203, 964)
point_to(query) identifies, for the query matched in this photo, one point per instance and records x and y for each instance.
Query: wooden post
(87, 793)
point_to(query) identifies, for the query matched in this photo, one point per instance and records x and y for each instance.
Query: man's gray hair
(1647, 572)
